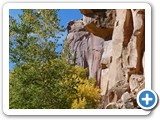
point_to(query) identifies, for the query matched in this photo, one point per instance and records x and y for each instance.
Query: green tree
(53, 85)
(33, 40)
(41, 79)
(38, 87)
(34, 36)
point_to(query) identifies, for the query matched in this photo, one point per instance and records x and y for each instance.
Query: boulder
(135, 81)
(115, 93)
(125, 97)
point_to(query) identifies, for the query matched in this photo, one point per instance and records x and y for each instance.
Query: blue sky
(65, 15)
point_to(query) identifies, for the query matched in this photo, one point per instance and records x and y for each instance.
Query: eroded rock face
(127, 61)
(77, 39)
(127, 52)
(111, 44)
(86, 49)
(99, 22)
(94, 58)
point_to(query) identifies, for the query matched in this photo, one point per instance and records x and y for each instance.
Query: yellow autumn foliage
(87, 96)
(79, 104)
(86, 90)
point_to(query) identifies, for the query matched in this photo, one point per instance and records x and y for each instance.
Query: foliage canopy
(53, 85)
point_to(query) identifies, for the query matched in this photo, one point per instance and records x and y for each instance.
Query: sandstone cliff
(111, 44)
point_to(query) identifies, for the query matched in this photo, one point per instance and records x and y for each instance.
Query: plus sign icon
(147, 99)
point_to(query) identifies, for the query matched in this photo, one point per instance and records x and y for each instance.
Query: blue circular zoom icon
(147, 99)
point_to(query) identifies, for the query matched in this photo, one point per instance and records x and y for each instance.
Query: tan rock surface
(111, 44)
(99, 22)
(135, 81)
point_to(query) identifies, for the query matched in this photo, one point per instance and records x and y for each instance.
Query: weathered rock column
(96, 48)
(137, 42)
(122, 32)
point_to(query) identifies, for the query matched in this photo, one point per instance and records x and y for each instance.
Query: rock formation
(86, 49)
(99, 22)
(111, 44)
